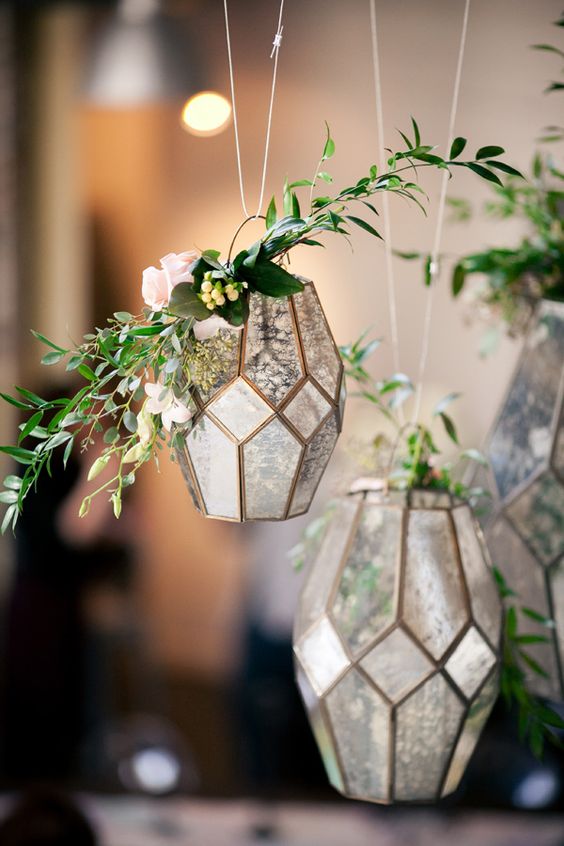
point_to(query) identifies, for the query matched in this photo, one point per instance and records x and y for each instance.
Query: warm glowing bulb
(206, 113)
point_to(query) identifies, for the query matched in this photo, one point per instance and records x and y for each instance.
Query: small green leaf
(329, 148)
(111, 435)
(87, 372)
(484, 173)
(364, 225)
(416, 132)
(449, 427)
(538, 618)
(505, 168)
(271, 279)
(49, 343)
(33, 421)
(458, 279)
(271, 213)
(14, 483)
(52, 358)
(326, 177)
(123, 316)
(489, 152)
(252, 254)
(116, 502)
(130, 421)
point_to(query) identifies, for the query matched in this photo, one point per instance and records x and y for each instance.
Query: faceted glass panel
(270, 461)
(240, 409)
(556, 580)
(361, 725)
(426, 728)
(322, 737)
(229, 364)
(396, 665)
(183, 462)
(315, 461)
(215, 461)
(321, 355)
(307, 410)
(478, 714)
(365, 602)
(522, 439)
(527, 579)
(322, 655)
(470, 662)
(484, 598)
(272, 358)
(319, 581)
(434, 603)
(538, 516)
(429, 499)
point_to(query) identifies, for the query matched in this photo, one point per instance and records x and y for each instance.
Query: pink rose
(158, 284)
(155, 288)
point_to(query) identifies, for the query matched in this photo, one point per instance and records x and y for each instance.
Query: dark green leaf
(23, 456)
(416, 132)
(489, 152)
(14, 402)
(511, 623)
(538, 618)
(33, 421)
(185, 302)
(46, 341)
(87, 372)
(505, 168)
(449, 427)
(458, 279)
(271, 279)
(484, 173)
(427, 276)
(252, 254)
(457, 147)
(364, 225)
(533, 665)
(271, 213)
(111, 435)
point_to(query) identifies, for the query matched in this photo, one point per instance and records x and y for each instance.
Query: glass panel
(307, 410)
(321, 576)
(526, 577)
(538, 516)
(322, 358)
(270, 461)
(426, 728)
(181, 455)
(558, 457)
(470, 662)
(396, 665)
(240, 409)
(361, 725)
(322, 736)
(434, 600)
(216, 466)
(486, 605)
(522, 439)
(475, 721)
(317, 455)
(365, 602)
(556, 579)
(229, 368)
(322, 655)
(272, 359)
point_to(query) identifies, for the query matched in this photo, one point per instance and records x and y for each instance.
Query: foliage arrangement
(515, 278)
(138, 371)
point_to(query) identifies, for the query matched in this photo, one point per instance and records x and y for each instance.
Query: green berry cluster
(214, 292)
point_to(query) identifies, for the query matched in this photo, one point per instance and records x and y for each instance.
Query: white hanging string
(390, 281)
(275, 51)
(435, 257)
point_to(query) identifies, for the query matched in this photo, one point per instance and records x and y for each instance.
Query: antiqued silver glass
(266, 427)
(397, 644)
(524, 527)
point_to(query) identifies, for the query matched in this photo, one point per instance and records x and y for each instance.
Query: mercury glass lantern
(264, 432)
(397, 644)
(525, 526)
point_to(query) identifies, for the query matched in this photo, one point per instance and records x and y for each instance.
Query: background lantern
(265, 431)
(397, 644)
(525, 527)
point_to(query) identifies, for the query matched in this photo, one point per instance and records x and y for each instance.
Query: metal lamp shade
(396, 645)
(525, 529)
(264, 432)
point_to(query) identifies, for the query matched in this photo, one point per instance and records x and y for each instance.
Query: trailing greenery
(138, 372)
(538, 722)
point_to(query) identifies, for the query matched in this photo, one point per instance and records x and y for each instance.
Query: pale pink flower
(158, 283)
(175, 266)
(162, 401)
(204, 329)
(155, 288)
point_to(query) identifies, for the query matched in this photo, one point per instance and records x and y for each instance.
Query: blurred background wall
(105, 193)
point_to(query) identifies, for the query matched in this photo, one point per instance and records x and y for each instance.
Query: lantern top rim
(377, 491)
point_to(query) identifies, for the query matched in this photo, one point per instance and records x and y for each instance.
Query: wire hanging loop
(241, 225)
(274, 54)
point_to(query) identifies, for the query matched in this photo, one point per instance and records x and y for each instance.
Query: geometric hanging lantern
(265, 430)
(525, 527)
(397, 644)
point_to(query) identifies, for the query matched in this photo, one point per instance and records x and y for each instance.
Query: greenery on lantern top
(138, 372)
(513, 279)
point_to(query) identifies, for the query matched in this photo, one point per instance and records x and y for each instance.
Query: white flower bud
(208, 276)
(211, 305)
(220, 300)
(206, 286)
(215, 294)
(206, 298)
(232, 295)
(229, 288)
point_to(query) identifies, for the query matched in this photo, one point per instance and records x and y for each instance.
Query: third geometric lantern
(396, 644)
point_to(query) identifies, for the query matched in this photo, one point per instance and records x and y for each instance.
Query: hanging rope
(390, 281)
(275, 51)
(435, 269)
